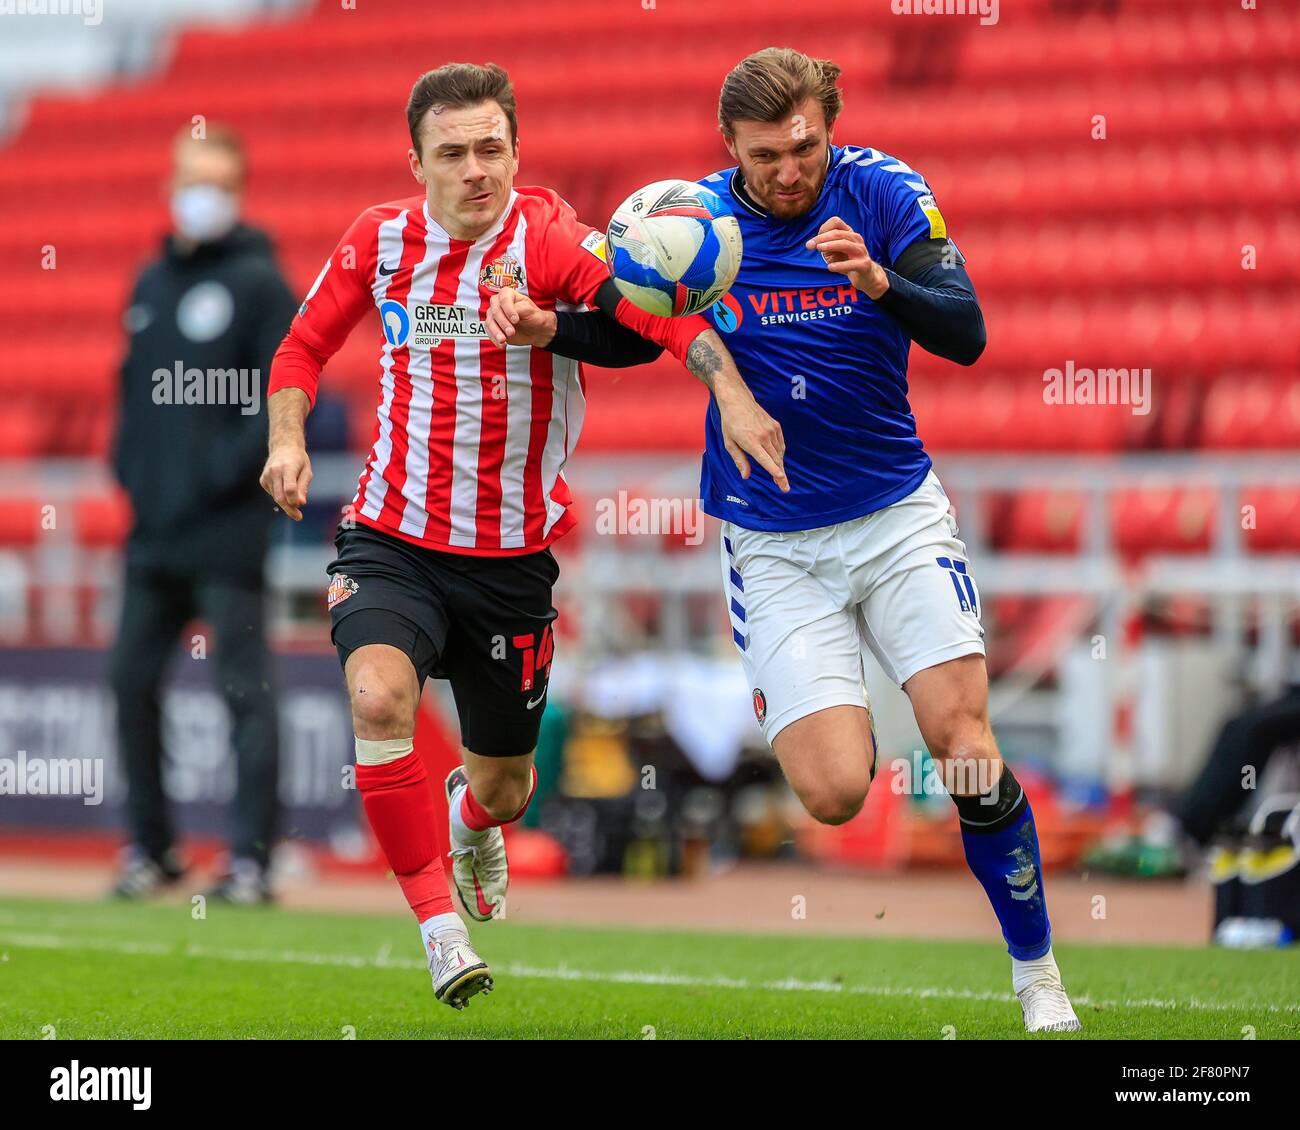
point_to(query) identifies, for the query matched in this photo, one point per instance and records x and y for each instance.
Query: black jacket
(190, 447)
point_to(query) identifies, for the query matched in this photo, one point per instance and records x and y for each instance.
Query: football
(673, 248)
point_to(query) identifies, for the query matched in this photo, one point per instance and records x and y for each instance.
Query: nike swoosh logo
(534, 701)
(484, 907)
(387, 270)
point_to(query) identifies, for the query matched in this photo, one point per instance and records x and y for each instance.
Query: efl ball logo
(673, 248)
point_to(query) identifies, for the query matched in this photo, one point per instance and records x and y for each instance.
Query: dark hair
(460, 84)
(767, 86)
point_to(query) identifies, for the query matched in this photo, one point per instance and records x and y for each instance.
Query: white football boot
(1042, 996)
(458, 972)
(479, 867)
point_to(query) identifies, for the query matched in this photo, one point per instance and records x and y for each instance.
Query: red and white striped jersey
(471, 439)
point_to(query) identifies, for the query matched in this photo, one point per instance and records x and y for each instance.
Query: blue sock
(1001, 845)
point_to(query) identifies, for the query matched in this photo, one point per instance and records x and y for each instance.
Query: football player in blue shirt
(846, 262)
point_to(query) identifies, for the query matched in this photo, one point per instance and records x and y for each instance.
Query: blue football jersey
(818, 355)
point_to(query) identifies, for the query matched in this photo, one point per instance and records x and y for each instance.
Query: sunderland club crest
(503, 272)
(341, 587)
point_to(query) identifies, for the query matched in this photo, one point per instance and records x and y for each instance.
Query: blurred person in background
(1175, 837)
(204, 319)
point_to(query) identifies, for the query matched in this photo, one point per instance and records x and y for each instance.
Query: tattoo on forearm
(703, 360)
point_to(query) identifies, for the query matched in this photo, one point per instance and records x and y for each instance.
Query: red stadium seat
(1163, 520)
(24, 428)
(1044, 522)
(103, 521)
(1252, 412)
(1272, 522)
(20, 522)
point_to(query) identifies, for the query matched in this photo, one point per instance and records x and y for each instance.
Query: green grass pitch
(115, 971)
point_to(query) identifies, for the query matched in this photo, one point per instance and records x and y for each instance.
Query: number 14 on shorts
(536, 659)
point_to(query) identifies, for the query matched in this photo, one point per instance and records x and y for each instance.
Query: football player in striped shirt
(444, 565)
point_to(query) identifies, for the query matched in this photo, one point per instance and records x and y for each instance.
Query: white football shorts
(805, 605)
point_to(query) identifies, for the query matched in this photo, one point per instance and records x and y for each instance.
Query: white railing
(608, 568)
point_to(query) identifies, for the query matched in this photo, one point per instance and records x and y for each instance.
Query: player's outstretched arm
(513, 318)
(747, 429)
(287, 473)
(580, 275)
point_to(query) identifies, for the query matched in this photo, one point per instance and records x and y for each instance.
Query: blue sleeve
(904, 208)
(934, 303)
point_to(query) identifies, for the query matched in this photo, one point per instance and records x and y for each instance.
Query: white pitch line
(608, 977)
(55, 942)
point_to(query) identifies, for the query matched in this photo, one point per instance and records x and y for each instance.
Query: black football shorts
(482, 623)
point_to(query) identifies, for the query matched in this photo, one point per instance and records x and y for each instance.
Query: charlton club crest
(760, 705)
(506, 271)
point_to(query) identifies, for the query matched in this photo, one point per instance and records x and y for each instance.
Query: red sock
(399, 802)
(477, 818)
